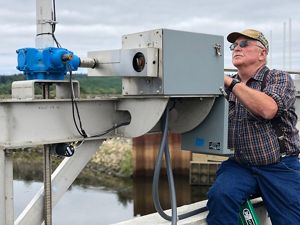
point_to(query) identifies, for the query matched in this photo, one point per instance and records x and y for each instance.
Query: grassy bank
(113, 158)
(110, 167)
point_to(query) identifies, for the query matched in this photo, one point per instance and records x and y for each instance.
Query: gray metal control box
(185, 66)
(210, 137)
(175, 63)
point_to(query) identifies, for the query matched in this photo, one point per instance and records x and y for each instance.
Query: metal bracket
(27, 89)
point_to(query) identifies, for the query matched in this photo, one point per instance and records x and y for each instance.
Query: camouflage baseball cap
(249, 33)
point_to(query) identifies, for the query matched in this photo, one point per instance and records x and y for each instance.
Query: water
(96, 198)
(100, 205)
(93, 205)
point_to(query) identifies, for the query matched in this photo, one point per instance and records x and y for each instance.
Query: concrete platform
(200, 219)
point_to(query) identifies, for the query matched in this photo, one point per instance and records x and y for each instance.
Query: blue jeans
(278, 184)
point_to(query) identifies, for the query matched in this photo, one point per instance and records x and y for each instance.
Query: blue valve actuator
(46, 64)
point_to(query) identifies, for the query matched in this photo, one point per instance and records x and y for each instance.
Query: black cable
(81, 131)
(79, 127)
(164, 150)
(110, 129)
(54, 24)
(43, 34)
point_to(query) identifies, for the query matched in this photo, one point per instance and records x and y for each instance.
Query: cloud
(97, 24)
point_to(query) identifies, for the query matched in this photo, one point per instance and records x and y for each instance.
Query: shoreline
(110, 167)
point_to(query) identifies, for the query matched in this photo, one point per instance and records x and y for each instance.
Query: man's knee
(220, 192)
(226, 194)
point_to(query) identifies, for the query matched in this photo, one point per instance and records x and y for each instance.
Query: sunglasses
(242, 44)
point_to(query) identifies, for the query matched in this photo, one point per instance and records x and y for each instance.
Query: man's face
(247, 52)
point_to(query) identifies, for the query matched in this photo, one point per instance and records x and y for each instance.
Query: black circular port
(138, 62)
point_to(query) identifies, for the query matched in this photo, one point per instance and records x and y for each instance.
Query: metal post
(6, 189)
(3, 187)
(46, 90)
(284, 46)
(47, 172)
(44, 23)
(44, 39)
(47, 185)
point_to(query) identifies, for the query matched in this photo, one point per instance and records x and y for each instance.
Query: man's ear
(263, 53)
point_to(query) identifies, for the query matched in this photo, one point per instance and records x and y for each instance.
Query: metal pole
(235, 70)
(47, 172)
(271, 49)
(3, 187)
(9, 200)
(290, 43)
(44, 39)
(44, 21)
(47, 186)
(6, 189)
(284, 47)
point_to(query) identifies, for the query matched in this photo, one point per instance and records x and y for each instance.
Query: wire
(164, 150)
(54, 24)
(111, 129)
(79, 127)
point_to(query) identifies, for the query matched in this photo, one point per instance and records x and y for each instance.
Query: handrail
(235, 70)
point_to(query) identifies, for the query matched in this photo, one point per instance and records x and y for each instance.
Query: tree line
(5, 83)
(88, 85)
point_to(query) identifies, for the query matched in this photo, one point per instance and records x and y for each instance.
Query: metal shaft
(47, 172)
(87, 63)
(47, 186)
(44, 39)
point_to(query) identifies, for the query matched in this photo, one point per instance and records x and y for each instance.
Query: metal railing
(235, 70)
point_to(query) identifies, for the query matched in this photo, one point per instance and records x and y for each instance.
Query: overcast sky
(98, 25)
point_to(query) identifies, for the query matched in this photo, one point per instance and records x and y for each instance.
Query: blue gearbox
(46, 64)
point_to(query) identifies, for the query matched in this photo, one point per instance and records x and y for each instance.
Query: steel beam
(23, 122)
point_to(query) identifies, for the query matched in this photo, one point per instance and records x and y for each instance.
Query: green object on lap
(248, 215)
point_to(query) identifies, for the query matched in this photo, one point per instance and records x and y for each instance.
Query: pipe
(87, 63)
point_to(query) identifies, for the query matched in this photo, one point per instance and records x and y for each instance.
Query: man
(263, 135)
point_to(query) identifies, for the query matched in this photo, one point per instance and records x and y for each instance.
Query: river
(98, 204)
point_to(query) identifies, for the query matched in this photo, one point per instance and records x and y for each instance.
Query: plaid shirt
(253, 138)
